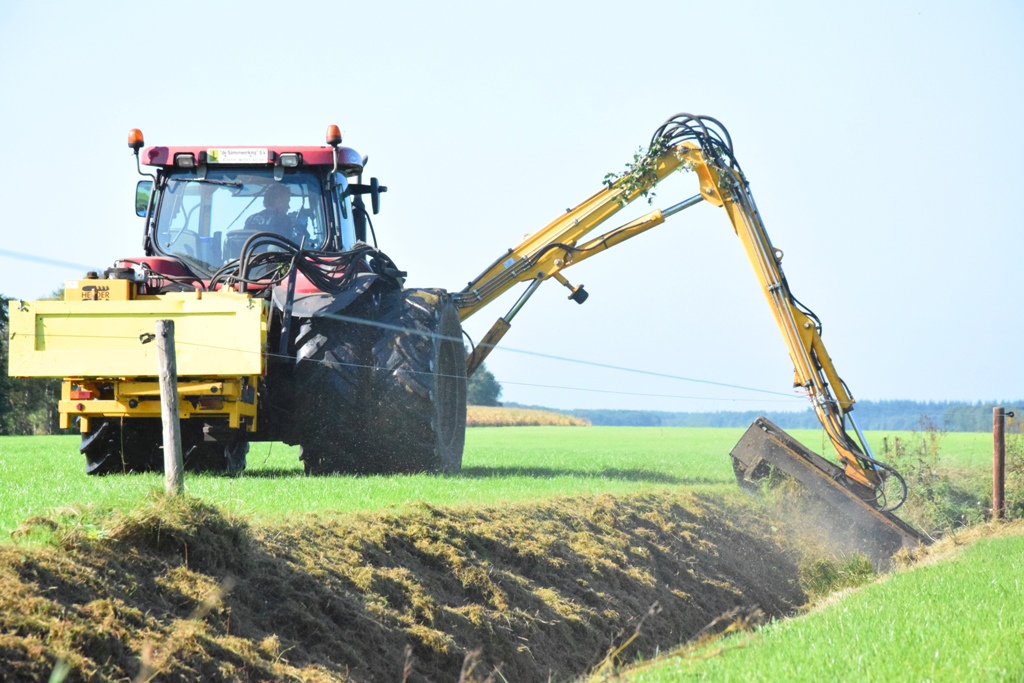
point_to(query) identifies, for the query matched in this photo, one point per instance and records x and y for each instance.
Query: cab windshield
(206, 220)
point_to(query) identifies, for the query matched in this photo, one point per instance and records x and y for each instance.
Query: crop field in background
(43, 474)
(501, 416)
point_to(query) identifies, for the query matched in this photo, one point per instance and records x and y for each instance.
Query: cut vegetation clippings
(541, 591)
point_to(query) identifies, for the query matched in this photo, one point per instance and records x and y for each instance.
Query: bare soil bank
(177, 591)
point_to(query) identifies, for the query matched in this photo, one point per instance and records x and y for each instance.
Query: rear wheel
(329, 394)
(123, 446)
(418, 415)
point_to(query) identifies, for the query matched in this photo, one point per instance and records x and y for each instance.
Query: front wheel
(418, 416)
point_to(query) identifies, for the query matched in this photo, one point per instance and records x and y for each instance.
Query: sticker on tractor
(95, 293)
(238, 156)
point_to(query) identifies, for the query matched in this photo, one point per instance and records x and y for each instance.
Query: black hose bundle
(708, 133)
(328, 271)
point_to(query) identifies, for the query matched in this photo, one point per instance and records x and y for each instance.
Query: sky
(881, 141)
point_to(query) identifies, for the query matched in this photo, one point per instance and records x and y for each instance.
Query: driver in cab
(274, 216)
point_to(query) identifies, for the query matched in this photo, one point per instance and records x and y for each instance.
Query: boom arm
(701, 144)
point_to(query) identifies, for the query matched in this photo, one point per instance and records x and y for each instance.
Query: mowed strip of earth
(542, 590)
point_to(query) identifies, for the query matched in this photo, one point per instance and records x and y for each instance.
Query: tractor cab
(202, 205)
(205, 220)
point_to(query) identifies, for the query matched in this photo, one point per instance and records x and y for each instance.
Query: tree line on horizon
(894, 415)
(27, 406)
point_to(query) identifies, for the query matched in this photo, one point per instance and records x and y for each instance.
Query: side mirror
(143, 191)
(375, 191)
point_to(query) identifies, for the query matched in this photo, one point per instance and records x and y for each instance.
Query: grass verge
(954, 618)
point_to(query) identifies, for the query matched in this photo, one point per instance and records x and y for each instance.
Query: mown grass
(959, 620)
(43, 474)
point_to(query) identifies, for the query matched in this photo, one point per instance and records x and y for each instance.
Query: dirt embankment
(543, 591)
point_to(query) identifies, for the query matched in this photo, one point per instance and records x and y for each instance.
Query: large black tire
(123, 446)
(418, 415)
(224, 457)
(330, 393)
(200, 453)
(136, 445)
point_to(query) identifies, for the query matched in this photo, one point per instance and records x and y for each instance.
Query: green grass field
(951, 621)
(44, 474)
(959, 620)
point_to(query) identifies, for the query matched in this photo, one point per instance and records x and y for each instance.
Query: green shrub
(939, 498)
(1015, 469)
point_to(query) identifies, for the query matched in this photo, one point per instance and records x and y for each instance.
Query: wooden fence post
(998, 463)
(173, 468)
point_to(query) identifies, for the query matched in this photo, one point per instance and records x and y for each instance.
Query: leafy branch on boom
(641, 176)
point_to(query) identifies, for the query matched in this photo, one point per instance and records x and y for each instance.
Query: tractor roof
(349, 161)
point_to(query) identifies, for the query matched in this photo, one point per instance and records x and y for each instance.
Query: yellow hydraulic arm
(701, 144)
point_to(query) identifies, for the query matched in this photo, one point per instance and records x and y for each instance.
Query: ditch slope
(539, 591)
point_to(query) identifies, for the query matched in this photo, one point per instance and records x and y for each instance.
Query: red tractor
(290, 326)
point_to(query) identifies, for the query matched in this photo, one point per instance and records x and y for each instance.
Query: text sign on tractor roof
(248, 155)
